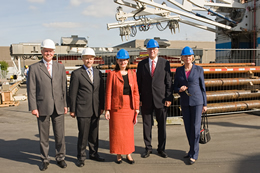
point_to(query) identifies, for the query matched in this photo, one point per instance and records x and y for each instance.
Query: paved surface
(234, 148)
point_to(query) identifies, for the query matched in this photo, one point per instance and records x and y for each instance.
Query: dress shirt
(50, 64)
(91, 69)
(150, 63)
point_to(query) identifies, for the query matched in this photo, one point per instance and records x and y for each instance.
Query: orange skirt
(121, 128)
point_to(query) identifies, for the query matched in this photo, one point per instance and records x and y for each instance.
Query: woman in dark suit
(122, 107)
(189, 83)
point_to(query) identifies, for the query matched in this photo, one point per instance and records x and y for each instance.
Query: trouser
(192, 122)
(88, 134)
(161, 116)
(59, 136)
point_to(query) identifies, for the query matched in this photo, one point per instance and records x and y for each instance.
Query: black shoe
(119, 161)
(62, 164)
(80, 163)
(187, 156)
(97, 158)
(146, 154)
(130, 161)
(162, 154)
(44, 166)
(192, 162)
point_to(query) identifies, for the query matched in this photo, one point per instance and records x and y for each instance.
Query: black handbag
(204, 129)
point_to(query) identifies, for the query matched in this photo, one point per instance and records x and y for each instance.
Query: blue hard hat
(122, 54)
(152, 44)
(187, 51)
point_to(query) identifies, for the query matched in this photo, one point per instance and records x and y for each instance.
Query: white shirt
(86, 68)
(155, 62)
(45, 63)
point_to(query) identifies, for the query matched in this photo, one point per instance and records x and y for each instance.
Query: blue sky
(36, 20)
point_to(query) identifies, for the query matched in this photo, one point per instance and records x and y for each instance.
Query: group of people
(150, 88)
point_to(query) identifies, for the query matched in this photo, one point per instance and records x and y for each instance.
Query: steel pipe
(230, 82)
(225, 64)
(226, 95)
(231, 94)
(106, 66)
(175, 65)
(232, 106)
(225, 70)
(229, 72)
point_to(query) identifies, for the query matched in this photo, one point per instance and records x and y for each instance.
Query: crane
(231, 16)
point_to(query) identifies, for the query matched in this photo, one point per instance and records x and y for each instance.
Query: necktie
(49, 68)
(152, 69)
(90, 75)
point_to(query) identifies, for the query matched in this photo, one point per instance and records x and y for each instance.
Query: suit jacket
(157, 89)
(114, 90)
(47, 93)
(195, 84)
(86, 98)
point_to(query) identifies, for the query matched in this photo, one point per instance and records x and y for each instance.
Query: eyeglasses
(186, 91)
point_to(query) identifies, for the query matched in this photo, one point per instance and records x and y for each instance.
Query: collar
(155, 60)
(45, 62)
(86, 68)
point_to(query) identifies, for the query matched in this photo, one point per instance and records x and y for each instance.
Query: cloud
(78, 2)
(101, 8)
(33, 8)
(96, 8)
(36, 1)
(61, 25)
(75, 2)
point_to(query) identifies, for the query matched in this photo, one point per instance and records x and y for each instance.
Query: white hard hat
(88, 51)
(48, 43)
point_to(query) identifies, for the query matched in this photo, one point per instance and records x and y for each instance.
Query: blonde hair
(193, 58)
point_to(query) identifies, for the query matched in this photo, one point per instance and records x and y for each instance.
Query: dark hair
(117, 68)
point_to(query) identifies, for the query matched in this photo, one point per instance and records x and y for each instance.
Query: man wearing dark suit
(154, 82)
(87, 103)
(46, 88)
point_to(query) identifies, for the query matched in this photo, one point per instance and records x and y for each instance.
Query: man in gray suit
(87, 103)
(46, 89)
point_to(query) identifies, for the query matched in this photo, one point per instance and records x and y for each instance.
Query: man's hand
(72, 114)
(167, 103)
(65, 110)
(183, 88)
(35, 112)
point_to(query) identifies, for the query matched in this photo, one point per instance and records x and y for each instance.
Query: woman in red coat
(122, 107)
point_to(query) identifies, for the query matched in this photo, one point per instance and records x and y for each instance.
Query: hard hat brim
(122, 58)
(92, 56)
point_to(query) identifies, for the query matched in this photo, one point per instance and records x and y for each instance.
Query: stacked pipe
(233, 106)
(230, 82)
(225, 94)
(173, 65)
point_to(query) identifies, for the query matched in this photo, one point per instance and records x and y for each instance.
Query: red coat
(114, 90)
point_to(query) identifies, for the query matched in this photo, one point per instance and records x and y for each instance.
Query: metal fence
(232, 86)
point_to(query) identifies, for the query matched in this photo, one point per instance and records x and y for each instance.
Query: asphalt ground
(234, 147)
